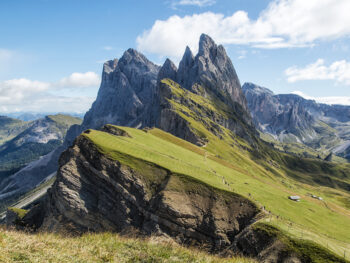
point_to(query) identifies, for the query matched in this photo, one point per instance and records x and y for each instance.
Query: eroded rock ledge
(95, 193)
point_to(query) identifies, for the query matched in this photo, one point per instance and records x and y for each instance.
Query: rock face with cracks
(95, 193)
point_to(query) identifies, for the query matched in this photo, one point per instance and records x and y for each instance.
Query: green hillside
(10, 128)
(325, 219)
(254, 170)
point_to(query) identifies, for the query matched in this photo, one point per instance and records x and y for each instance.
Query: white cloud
(16, 90)
(338, 71)
(327, 100)
(52, 103)
(283, 24)
(80, 80)
(199, 3)
(31, 95)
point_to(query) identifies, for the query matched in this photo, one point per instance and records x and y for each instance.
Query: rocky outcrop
(213, 69)
(170, 120)
(127, 93)
(95, 193)
(268, 244)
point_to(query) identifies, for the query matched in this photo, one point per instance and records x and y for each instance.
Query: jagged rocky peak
(168, 70)
(185, 63)
(132, 59)
(206, 45)
(213, 69)
(251, 87)
(127, 89)
(110, 65)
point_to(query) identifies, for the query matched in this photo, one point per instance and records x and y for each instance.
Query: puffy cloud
(327, 100)
(15, 90)
(31, 95)
(199, 3)
(338, 71)
(284, 23)
(52, 103)
(81, 80)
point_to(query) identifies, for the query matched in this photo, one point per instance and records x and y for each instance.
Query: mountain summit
(212, 68)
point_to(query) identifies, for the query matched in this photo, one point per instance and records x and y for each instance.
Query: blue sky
(51, 51)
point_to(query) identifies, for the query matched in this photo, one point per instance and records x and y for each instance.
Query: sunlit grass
(106, 247)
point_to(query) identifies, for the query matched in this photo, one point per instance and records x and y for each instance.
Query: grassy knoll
(43, 247)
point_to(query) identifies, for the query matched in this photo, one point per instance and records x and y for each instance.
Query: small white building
(317, 197)
(295, 198)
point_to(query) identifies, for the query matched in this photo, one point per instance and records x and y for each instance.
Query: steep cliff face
(97, 193)
(181, 108)
(127, 93)
(213, 70)
(291, 118)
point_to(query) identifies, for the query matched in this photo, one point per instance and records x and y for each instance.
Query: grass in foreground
(21, 247)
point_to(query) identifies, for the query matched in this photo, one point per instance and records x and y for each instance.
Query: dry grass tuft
(18, 246)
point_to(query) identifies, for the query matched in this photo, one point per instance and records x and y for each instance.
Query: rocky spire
(126, 92)
(110, 65)
(206, 43)
(213, 69)
(168, 70)
(186, 63)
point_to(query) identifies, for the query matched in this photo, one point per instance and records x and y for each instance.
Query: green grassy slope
(10, 128)
(245, 178)
(255, 171)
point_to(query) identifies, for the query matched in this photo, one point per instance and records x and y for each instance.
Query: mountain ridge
(38, 139)
(291, 118)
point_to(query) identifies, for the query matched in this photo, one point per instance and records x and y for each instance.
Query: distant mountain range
(290, 118)
(28, 141)
(31, 116)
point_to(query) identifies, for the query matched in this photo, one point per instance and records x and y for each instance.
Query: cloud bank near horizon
(21, 95)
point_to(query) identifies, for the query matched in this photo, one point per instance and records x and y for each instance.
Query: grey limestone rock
(291, 118)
